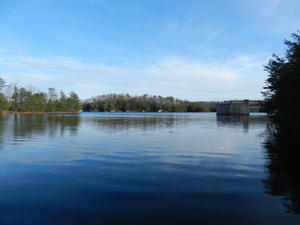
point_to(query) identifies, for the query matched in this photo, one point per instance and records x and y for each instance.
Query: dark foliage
(283, 86)
(282, 104)
(145, 103)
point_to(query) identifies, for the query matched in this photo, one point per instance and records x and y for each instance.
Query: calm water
(136, 168)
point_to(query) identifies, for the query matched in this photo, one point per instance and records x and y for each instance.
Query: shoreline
(56, 112)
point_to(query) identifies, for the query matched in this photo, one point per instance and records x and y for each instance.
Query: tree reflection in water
(282, 151)
(18, 126)
(150, 122)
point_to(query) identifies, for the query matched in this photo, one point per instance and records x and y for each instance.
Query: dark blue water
(136, 168)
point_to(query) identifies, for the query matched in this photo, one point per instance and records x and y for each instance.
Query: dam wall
(233, 108)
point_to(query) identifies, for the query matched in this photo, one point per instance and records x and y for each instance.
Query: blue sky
(190, 49)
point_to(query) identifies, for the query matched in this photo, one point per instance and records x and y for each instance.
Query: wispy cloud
(239, 77)
(65, 64)
(4, 50)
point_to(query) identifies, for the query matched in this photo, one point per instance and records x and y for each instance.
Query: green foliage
(2, 83)
(73, 103)
(283, 86)
(254, 110)
(26, 100)
(144, 103)
(3, 102)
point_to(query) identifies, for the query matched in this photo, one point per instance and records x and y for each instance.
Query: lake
(137, 168)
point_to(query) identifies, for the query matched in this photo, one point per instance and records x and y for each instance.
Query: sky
(190, 49)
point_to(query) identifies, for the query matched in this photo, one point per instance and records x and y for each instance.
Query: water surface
(136, 168)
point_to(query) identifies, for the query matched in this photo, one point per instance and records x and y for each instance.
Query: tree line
(144, 103)
(20, 99)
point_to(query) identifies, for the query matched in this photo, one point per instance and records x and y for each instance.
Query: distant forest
(14, 98)
(144, 103)
(20, 99)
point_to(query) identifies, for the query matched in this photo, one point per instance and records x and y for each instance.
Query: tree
(9, 90)
(14, 105)
(2, 83)
(52, 100)
(3, 100)
(73, 103)
(283, 86)
(62, 104)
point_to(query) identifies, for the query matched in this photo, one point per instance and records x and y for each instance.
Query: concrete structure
(233, 108)
(256, 105)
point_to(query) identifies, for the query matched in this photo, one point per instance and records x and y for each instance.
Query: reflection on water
(137, 168)
(241, 120)
(31, 124)
(120, 122)
(283, 166)
(23, 127)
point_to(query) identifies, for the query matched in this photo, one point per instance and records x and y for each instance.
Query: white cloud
(239, 77)
(4, 50)
(67, 64)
